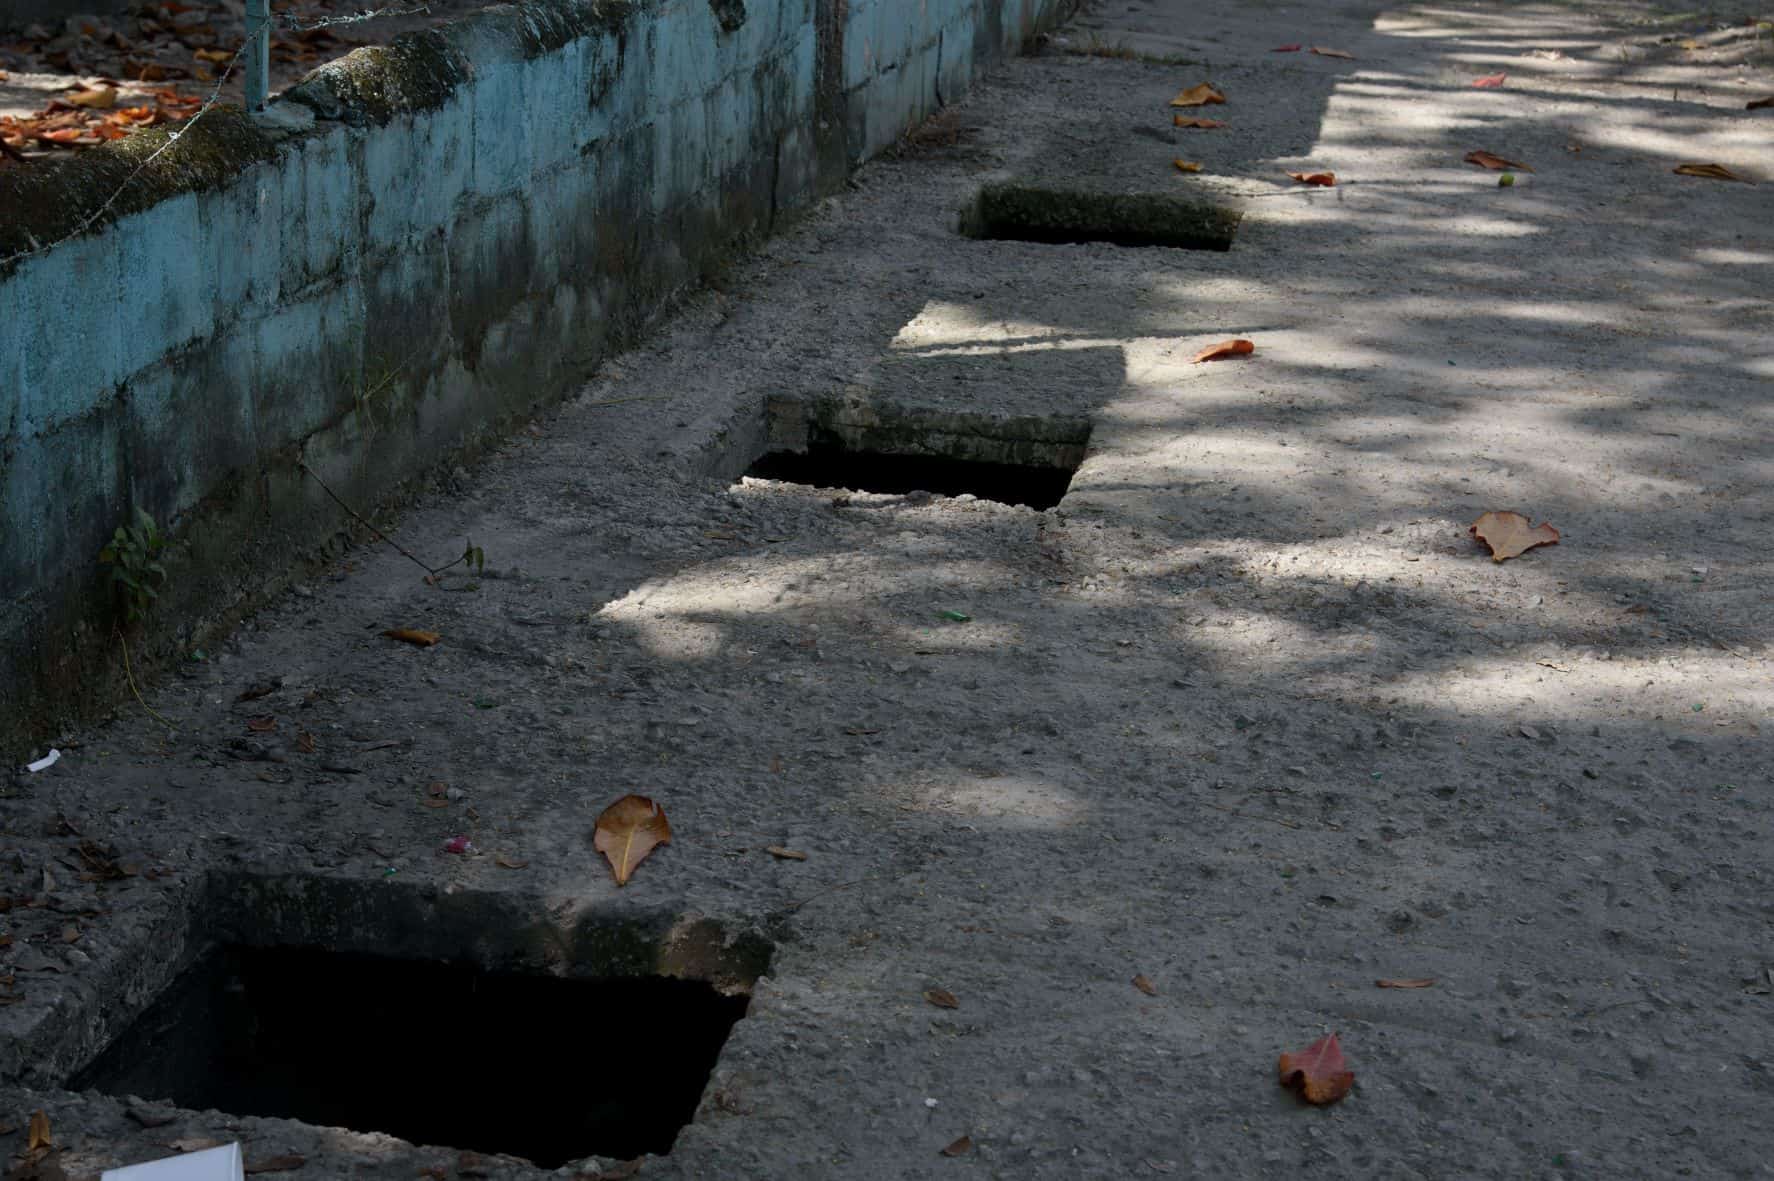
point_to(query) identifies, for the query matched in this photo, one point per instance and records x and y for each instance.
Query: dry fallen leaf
(1226, 348)
(1290, 47)
(262, 725)
(1327, 179)
(1144, 985)
(942, 998)
(1422, 983)
(1318, 1071)
(38, 1137)
(213, 56)
(1490, 81)
(99, 98)
(505, 862)
(1322, 52)
(1186, 165)
(407, 635)
(1198, 96)
(782, 854)
(1508, 534)
(627, 831)
(288, 1162)
(960, 1147)
(1712, 171)
(1494, 162)
(1204, 124)
(1758, 104)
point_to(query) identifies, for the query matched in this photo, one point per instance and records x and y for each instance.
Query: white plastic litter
(48, 760)
(212, 1164)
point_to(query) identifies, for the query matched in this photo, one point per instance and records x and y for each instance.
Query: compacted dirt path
(1247, 714)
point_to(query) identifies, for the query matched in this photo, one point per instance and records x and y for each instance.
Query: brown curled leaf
(1423, 982)
(408, 635)
(1186, 165)
(1508, 534)
(1226, 348)
(1494, 162)
(1145, 985)
(1198, 96)
(942, 998)
(1323, 52)
(1711, 172)
(960, 1147)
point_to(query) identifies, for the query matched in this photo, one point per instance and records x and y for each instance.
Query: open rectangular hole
(827, 463)
(542, 1067)
(1037, 213)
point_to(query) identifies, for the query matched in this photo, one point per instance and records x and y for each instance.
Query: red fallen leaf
(627, 831)
(1494, 163)
(1711, 171)
(1293, 47)
(1204, 124)
(1326, 179)
(1490, 81)
(1420, 983)
(1508, 535)
(1318, 1072)
(1759, 103)
(1322, 52)
(1226, 348)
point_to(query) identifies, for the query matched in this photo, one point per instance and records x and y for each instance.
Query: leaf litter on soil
(1711, 172)
(1318, 1072)
(1323, 179)
(1198, 96)
(1494, 162)
(1224, 349)
(1509, 534)
(627, 831)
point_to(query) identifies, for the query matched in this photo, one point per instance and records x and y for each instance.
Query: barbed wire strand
(215, 96)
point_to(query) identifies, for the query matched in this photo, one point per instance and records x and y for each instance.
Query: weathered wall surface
(429, 239)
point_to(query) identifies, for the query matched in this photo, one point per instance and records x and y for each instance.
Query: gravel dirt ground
(1248, 714)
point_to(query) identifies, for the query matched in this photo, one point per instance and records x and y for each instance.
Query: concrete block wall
(427, 240)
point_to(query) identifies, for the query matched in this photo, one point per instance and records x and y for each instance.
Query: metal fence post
(258, 53)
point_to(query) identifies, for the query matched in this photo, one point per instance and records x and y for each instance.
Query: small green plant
(134, 558)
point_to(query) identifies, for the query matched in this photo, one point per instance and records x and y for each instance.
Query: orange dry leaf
(1494, 163)
(1322, 52)
(407, 635)
(1712, 171)
(215, 56)
(627, 831)
(99, 98)
(1145, 985)
(1421, 983)
(1186, 165)
(1226, 348)
(1759, 103)
(1204, 124)
(1327, 179)
(1318, 1071)
(1198, 96)
(1490, 81)
(1508, 534)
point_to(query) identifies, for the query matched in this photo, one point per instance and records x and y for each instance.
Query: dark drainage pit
(829, 464)
(1034, 213)
(541, 1067)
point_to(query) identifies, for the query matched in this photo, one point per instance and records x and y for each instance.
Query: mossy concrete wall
(424, 242)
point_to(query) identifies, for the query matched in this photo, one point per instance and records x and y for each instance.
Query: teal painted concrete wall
(432, 238)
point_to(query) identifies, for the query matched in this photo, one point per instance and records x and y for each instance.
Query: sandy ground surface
(1248, 713)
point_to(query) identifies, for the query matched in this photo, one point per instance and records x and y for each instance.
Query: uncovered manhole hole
(844, 444)
(540, 1067)
(1038, 213)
